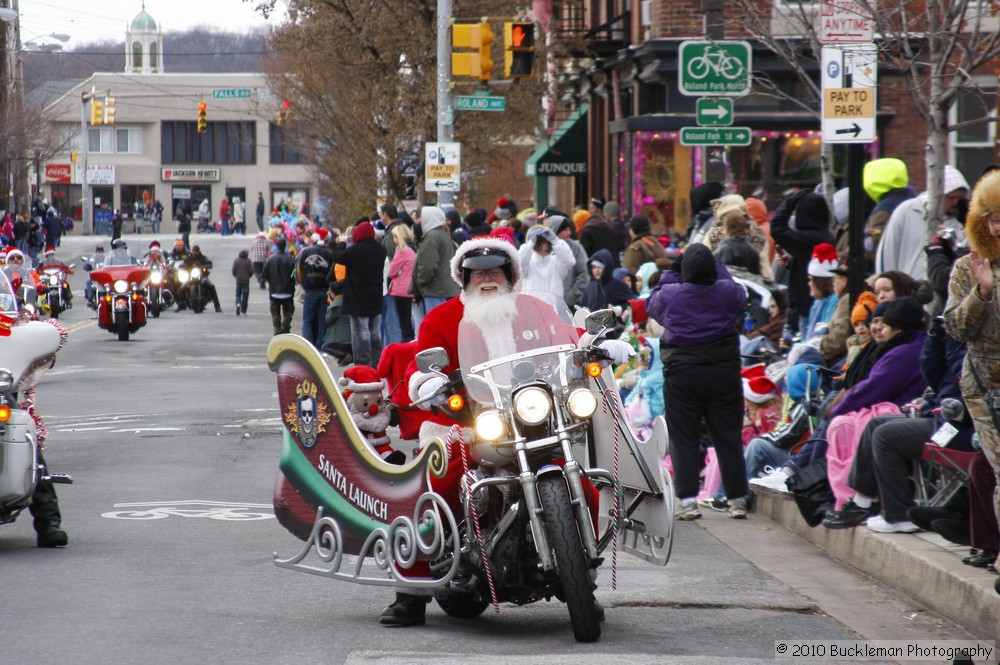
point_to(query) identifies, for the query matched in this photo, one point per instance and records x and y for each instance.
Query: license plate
(121, 303)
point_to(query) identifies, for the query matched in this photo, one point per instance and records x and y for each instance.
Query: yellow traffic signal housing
(283, 113)
(96, 112)
(479, 38)
(109, 110)
(73, 156)
(202, 126)
(518, 49)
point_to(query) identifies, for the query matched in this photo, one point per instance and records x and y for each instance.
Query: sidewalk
(923, 566)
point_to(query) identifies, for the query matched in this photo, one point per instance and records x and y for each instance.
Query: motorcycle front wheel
(571, 561)
(55, 307)
(121, 326)
(154, 302)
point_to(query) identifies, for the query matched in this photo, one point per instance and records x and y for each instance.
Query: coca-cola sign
(58, 173)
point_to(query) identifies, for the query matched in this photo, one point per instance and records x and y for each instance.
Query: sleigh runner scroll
(336, 493)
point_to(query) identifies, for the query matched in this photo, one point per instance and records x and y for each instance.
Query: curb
(924, 567)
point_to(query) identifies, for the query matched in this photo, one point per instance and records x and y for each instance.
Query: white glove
(428, 388)
(618, 350)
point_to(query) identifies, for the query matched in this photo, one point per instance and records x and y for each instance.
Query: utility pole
(715, 31)
(85, 209)
(445, 113)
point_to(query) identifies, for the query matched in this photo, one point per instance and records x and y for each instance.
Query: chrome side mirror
(601, 321)
(432, 360)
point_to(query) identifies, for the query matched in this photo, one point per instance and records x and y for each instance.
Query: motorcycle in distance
(194, 289)
(26, 351)
(121, 298)
(53, 288)
(161, 296)
(545, 432)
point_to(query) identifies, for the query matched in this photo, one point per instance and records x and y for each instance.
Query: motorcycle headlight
(6, 380)
(183, 275)
(156, 278)
(54, 280)
(581, 403)
(195, 273)
(532, 406)
(121, 286)
(490, 426)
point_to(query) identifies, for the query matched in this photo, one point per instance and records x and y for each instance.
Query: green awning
(565, 153)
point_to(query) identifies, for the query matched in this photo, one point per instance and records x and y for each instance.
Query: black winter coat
(362, 288)
(812, 227)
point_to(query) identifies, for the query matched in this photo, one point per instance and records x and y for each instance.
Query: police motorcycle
(550, 478)
(27, 350)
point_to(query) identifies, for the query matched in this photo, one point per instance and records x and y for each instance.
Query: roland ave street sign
(849, 76)
(714, 111)
(715, 68)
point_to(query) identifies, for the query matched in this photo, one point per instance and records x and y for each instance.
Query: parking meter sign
(715, 68)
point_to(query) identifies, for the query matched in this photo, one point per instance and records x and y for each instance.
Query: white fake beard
(493, 316)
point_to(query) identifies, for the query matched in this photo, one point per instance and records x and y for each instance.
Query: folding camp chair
(940, 473)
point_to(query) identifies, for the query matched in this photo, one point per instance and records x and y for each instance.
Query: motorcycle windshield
(505, 340)
(8, 303)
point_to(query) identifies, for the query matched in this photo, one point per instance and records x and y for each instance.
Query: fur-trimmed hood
(484, 242)
(985, 201)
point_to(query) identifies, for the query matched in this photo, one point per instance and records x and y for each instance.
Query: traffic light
(96, 112)
(518, 49)
(202, 118)
(479, 38)
(73, 156)
(284, 113)
(109, 110)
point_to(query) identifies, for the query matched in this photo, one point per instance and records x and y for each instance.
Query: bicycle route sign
(714, 112)
(715, 68)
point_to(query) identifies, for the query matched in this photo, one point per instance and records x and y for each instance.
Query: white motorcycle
(27, 349)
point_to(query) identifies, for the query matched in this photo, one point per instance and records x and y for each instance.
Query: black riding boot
(44, 509)
(406, 610)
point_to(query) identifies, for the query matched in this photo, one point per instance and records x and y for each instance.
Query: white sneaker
(775, 479)
(878, 523)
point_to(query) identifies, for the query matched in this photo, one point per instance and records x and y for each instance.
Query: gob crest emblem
(308, 415)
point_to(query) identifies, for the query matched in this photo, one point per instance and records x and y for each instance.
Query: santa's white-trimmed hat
(824, 260)
(485, 246)
(360, 379)
(760, 389)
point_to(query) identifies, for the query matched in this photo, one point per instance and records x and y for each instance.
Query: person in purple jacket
(700, 307)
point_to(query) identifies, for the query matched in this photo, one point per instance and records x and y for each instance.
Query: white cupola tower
(143, 45)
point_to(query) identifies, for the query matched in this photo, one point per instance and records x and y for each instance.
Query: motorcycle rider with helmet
(93, 263)
(199, 260)
(484, 268)
(120, 256)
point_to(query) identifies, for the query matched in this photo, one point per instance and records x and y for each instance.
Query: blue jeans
(365, 340)
(430, 302)
(242, 295)
(314, 316)
(760, 453)
(225, 227)
(391, 330)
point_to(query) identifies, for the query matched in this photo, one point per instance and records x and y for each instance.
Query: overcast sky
(91, 20)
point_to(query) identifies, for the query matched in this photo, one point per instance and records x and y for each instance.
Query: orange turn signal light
(456, 402)
(4, 413)
(594, 370)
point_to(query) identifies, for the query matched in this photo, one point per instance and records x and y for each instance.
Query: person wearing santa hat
(824, 299)
(486, 268)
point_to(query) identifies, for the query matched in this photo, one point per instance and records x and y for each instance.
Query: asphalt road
(173, 440)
